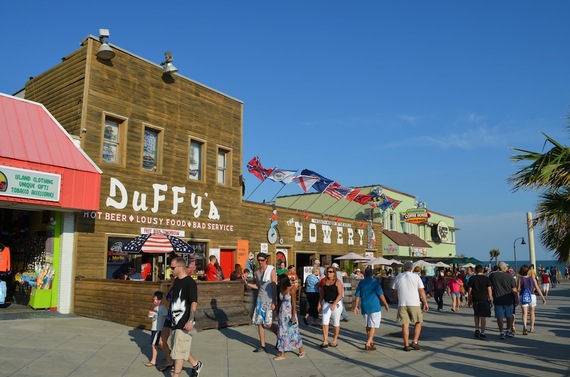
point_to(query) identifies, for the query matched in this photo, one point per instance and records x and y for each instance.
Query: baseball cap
(335, 265)
(503, 265)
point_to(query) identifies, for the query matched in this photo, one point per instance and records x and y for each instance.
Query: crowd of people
(479, 288)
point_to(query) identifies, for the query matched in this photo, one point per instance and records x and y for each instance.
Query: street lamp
(515, 250)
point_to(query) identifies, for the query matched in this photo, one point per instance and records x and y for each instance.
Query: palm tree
(550, 172)
(494, 253)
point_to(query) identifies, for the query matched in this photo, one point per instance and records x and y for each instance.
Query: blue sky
(425, 97)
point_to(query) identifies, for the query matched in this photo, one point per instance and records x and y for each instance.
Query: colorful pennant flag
(255, 168)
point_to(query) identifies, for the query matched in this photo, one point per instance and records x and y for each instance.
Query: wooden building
(170, 150)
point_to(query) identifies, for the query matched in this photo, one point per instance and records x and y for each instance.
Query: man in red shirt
(212, 273)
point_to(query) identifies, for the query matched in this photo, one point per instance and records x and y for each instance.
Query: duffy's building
(163, 154)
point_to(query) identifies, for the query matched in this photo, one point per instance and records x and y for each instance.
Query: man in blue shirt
(368, 294)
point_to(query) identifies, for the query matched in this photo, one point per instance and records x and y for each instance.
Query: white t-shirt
(407, 284)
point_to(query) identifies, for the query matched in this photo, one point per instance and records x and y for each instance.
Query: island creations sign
(29, 184)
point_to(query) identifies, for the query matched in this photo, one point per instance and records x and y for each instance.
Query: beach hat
(335, 265)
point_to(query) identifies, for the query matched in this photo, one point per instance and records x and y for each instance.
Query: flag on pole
(353, 194)
(305, 181)
(255, 168)
(362, 198)
(282, 175)
(319, 185)
(337, 191)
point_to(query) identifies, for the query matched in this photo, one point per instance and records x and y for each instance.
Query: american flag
(337, 191)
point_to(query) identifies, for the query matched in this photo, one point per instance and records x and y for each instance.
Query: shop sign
(120, 198)
(390, 249)
(29, 184)
(326, 233)
(443, 231)
(416, 215)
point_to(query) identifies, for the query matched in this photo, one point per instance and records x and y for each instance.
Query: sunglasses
(261, 260)
(330, 272)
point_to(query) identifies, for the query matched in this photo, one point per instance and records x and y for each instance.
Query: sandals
(149, 364)
(301, 355)
(324, 345)
(334, 344)
(277, 358)
(166, 367)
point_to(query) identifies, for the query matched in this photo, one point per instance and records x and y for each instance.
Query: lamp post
(515, 250)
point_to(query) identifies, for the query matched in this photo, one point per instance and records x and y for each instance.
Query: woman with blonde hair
(330, 304)
(312, 291)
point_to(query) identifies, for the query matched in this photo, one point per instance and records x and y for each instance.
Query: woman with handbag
(527, 287)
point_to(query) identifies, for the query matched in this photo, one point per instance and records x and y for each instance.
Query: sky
(424, 97)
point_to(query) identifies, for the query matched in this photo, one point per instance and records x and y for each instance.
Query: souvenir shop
(44, 179)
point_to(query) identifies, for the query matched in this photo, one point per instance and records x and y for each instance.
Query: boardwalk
(75, 346)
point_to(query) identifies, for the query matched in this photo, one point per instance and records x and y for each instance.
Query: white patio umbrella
(469, 265)
(383, 262)
(423, 263)
(441, 264)
(353, 256)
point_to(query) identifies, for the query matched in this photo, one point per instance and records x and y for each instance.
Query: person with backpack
(527, 287)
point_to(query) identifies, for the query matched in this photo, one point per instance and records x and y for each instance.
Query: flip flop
(277, 358)
(334, 344)
(149, 364)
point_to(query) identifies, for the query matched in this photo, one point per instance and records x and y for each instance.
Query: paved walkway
(55, 345)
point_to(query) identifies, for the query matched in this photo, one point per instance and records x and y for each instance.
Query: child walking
(288, 335)
(158, 314)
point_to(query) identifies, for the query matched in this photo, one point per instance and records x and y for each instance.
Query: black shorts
(482, 308)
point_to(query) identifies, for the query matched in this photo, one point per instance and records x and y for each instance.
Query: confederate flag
(255, 168)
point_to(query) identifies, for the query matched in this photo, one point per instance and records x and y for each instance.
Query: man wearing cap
(266, 284)
(338, 272)
(409, 289)
(505, 298)
(368, 294)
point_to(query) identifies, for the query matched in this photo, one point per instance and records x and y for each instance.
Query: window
(112, 138)
(223, 156)
(196, 160)
(392, 221)
(151, 149)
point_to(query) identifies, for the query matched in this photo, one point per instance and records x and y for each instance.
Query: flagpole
(320, 194)
(294, 201)
(277, 193)
(254, 190)
(342, 209)
(325, 211)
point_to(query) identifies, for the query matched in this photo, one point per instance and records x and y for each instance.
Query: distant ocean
(543, 263)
